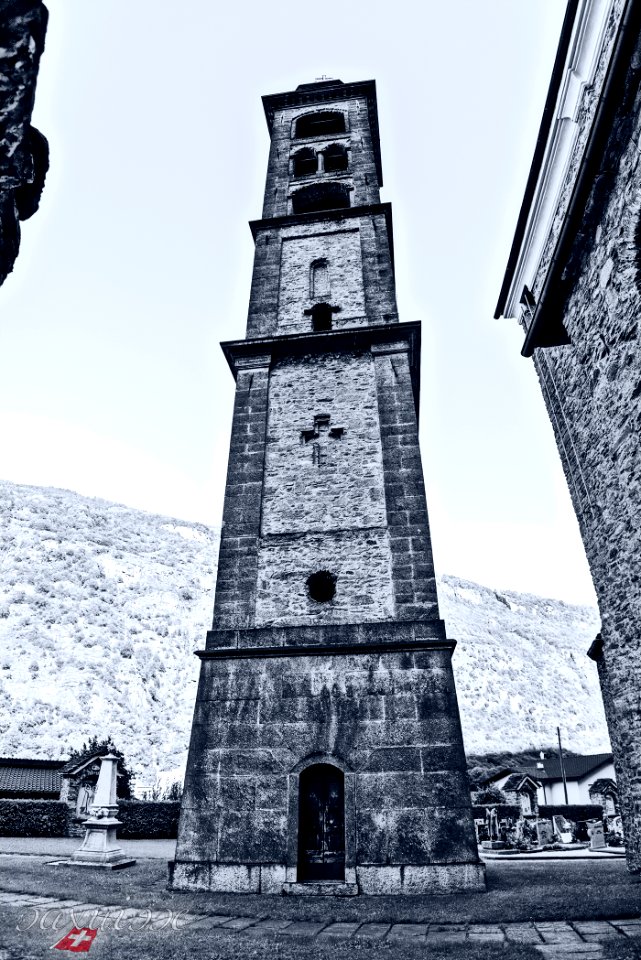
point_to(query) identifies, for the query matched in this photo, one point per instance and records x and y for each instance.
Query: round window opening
(321, 586)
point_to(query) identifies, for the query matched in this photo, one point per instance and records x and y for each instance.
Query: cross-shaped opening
(319, 435)
(321, 314)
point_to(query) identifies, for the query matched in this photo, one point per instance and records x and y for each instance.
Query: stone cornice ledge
(343, 213)
(342, 638)
(377, 337)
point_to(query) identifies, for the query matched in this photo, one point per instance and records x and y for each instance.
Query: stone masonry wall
(235, 601)
(323, 483)
(24, 152)
(324, 497)
(592, 389)
(340, 246)
(360, 561)
(389, 720)
(361, 171)
(360, 273)
(412, 562)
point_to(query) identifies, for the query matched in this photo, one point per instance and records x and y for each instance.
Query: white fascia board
(586, 48)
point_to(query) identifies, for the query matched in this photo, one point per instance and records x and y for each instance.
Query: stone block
(373, 931)
(388, 759)
(234, 878)
(238, 923)
(522, 933)
(304, 928)
(272, 878)
(452, 835)
(379, 881)
(557, 933)
(191, 875)
(444, 878)
(267, 928)
(408, 931)
(339, 931)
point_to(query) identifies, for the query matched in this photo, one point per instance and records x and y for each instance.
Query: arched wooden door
(321, 824)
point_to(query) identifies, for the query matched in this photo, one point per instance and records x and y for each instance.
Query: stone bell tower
(326, 750)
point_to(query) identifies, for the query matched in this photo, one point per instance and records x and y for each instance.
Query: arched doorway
(321, 824)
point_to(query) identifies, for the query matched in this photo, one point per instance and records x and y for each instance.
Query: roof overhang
(585, 43)
(380, 337)
(366, 210)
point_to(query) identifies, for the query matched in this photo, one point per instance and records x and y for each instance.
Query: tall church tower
(326, 745)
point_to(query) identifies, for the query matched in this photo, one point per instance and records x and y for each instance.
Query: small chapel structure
(326, 753)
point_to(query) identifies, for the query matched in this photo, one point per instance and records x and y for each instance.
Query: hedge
(143, 819)
(504, 811)
(572, 811)
(33, 818)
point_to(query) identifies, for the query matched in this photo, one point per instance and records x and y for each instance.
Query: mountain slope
(101, 607)
(521, 669)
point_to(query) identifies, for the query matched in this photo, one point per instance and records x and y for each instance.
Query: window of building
(321, 316)
(321, 196)
(335, 158)
(321, 586)
(305, 162)
(320, 124)
(319, 279)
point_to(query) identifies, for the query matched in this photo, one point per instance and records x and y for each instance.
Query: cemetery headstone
(597, 839)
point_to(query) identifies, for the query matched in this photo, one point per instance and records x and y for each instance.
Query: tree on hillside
(95, 747)
(490, 795)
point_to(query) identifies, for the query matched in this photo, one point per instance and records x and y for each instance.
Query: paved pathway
(557, 940)
(65, 846)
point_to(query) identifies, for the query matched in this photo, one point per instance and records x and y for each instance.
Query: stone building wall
(340, 247)
(391, 722)
(361, 177)
(592, 389)
(361, 275)
(327, 676)
(24, 152)
(323, 482)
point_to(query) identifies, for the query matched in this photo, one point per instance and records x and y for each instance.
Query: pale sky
(139, 261)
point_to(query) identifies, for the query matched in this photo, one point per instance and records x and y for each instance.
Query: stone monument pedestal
(100, 846)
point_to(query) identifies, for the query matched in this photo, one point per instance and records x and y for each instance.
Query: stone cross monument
(326, 752)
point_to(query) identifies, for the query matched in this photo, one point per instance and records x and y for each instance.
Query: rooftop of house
(26, 776)
(517, 780)
(603, 785)
(576, 768)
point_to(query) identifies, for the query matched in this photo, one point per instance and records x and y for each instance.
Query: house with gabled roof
(580, 774)
(519, 789)
(23, 778)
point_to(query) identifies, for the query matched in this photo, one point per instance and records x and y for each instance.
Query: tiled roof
(575, 767)
(514, 782)
(28, 777)
(602, 784)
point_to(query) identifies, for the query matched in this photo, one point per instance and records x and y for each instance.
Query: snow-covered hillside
(101, 607)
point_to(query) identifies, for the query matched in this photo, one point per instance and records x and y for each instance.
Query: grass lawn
(216, 945)
(517, 891)
(213, 945)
